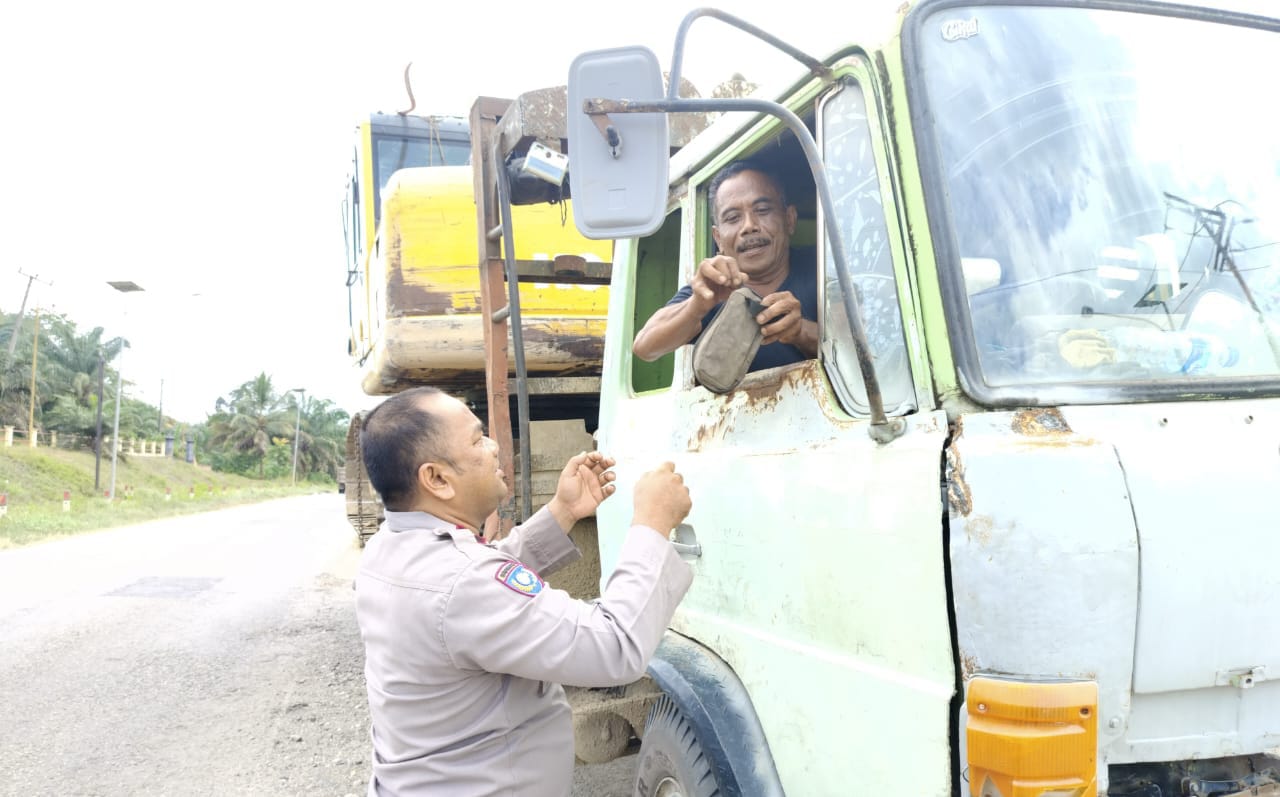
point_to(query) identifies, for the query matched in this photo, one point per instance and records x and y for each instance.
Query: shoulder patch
(518, 578)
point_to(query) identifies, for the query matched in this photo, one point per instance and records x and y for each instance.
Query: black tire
(671, 762)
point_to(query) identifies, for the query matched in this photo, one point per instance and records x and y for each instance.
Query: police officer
(465, 644)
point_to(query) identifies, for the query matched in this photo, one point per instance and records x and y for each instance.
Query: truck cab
(1037, 557)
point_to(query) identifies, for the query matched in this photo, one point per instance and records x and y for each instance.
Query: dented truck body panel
(1044, 558)
(1108, 544)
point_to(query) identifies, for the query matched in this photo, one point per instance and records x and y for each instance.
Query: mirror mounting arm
(814, 65)
(883, 429)
(606, 127)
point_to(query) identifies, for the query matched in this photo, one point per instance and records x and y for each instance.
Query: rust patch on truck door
(959, 498)
(1040, 422)
(1046, 427)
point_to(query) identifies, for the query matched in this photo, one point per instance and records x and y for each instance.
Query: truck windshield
(392, 153)
(395, 153)
(1112, 185)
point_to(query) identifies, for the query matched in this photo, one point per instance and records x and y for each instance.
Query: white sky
(201, 152)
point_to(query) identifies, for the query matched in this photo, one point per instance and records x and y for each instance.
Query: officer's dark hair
(396, 437)
(733, 170)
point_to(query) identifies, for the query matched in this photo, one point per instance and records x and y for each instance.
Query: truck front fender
(718, 707)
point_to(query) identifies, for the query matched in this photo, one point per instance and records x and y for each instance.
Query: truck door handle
(686, 541)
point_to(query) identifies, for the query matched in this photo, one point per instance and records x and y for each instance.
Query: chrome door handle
(686, 541)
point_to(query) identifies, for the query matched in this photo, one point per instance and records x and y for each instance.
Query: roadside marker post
(4, 504)
(167, 493)
(66, 500)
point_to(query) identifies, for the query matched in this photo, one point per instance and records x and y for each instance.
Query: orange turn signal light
(1030, 739)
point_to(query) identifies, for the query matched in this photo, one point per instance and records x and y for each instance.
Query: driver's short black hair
(396, 437)
(733, 170)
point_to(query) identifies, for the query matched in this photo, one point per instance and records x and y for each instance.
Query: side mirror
(619, 190)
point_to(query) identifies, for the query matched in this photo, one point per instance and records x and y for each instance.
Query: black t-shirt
(802, 282)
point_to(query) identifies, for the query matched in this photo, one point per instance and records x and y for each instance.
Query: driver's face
(752, 224)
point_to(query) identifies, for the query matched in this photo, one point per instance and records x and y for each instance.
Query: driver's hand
(780, 320)
(716, 278)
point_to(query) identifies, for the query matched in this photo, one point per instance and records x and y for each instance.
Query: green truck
(1012, 532)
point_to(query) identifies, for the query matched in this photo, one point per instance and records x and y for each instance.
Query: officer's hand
(780, 321)
(716, 278)
(585, 482)
(661, 499)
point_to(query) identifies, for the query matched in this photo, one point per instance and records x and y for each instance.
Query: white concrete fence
(137, 447)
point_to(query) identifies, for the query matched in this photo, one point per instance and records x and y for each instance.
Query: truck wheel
(671, 762)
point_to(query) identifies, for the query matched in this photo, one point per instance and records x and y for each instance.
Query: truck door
(821, 575)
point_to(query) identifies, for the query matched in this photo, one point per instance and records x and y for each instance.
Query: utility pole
(123, 286)
(160, 412)
(97, 439)
(115, 427)
(35, 356)
(297, 429)
(17, 324)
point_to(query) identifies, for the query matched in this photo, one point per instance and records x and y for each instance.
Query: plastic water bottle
(1172, 352)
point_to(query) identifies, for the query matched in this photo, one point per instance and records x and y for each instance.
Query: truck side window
(848, 150)
(657, 279)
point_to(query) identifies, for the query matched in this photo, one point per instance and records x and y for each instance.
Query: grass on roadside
(34, 481)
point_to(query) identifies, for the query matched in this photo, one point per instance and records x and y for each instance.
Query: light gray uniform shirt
(465, 648)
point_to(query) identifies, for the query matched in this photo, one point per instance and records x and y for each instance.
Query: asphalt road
(211, 654)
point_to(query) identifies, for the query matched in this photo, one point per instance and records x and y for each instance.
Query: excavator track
(364, 507)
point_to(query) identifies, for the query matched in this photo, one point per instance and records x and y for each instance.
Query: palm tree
(322, 437)
(73, 371)
(76, 358)
(66, 373)
(16, 371)
(249, 418)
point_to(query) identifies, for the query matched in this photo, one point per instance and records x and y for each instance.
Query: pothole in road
(165, 587)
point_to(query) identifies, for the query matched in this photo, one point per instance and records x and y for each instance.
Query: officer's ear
(435, 480)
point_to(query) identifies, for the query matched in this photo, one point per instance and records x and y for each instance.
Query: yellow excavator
(413, 272)
(416, 261)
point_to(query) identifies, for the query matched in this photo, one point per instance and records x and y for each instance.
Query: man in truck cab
(752, 226)
(465, 644)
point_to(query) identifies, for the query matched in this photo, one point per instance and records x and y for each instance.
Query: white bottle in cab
(1174, 352)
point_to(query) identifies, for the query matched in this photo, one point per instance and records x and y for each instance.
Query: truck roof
(419, 126)
(877, 24)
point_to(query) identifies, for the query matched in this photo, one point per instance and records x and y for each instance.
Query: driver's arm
(667, 330)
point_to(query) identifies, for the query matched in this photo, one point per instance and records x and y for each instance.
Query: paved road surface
(210, 654)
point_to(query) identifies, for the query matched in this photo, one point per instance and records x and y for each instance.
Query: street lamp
(123, 287)
(297, 430)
